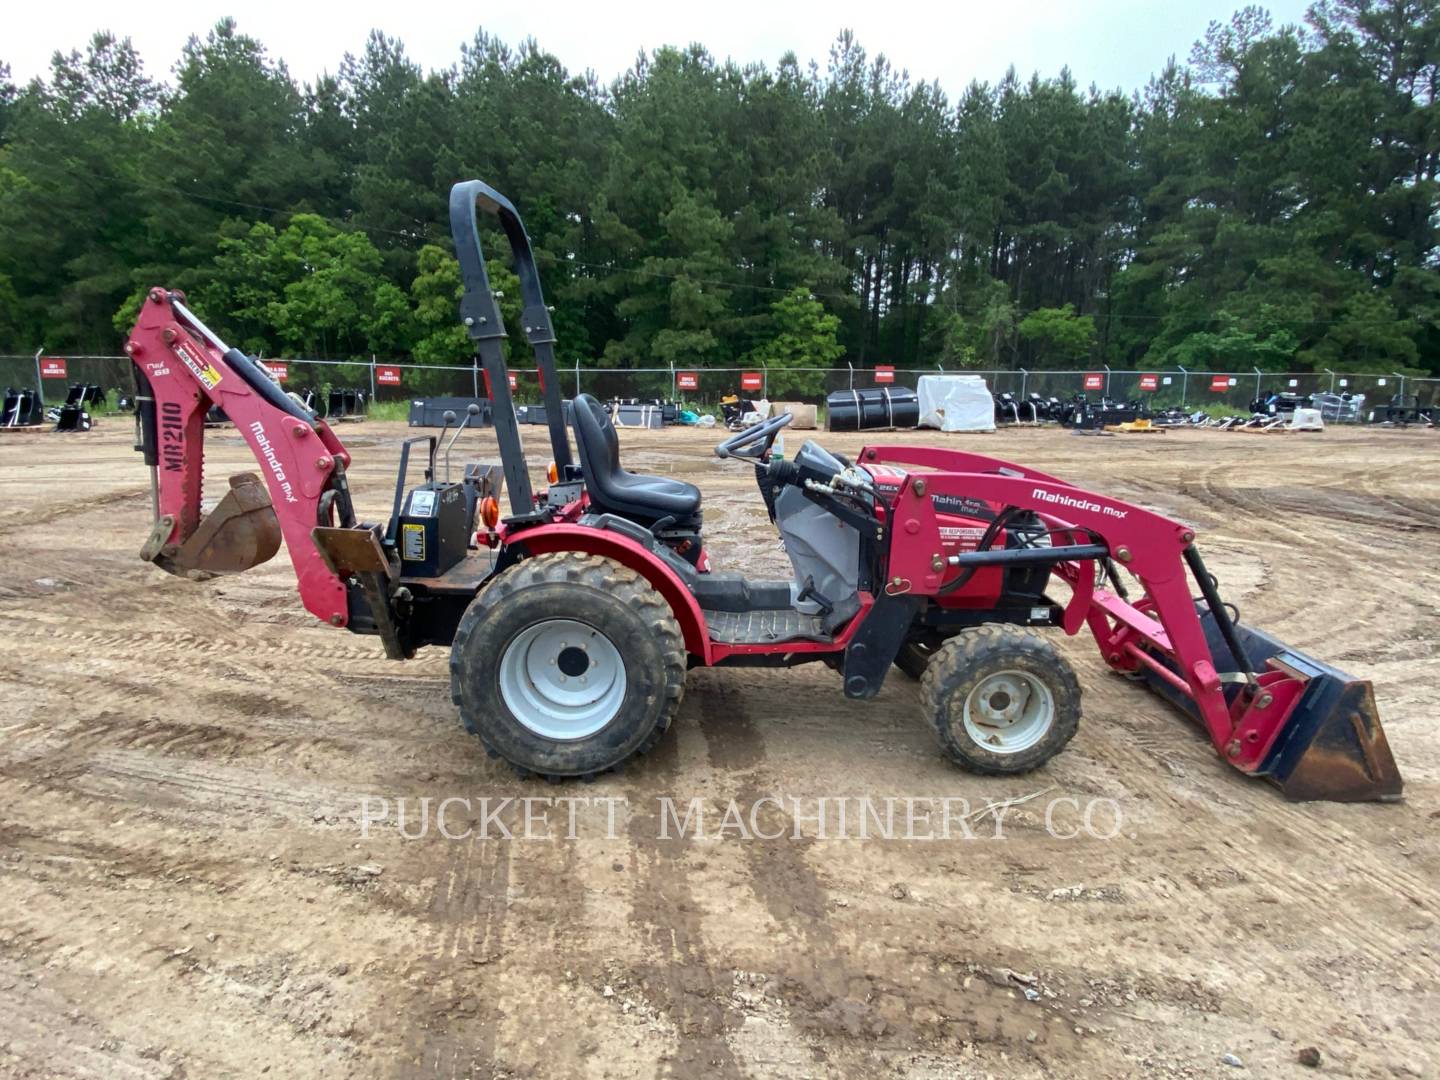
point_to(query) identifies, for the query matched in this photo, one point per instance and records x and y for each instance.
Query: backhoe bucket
(1332, 746)
(242, 531)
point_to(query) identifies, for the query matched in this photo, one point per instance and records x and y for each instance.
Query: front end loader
(572, 619)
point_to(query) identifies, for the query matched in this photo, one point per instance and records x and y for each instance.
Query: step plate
(763, 627)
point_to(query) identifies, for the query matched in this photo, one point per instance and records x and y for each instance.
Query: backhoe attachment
(182, 371)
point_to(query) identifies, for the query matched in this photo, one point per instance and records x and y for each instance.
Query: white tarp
(955, 403)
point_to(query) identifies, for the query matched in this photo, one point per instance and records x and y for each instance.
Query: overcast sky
(1114, 43)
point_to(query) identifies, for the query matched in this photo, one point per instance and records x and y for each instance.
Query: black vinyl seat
(645, 499)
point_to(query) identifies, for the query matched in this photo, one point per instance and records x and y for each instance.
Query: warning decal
(412, 543)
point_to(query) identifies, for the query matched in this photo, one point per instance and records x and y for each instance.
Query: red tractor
(573, 619)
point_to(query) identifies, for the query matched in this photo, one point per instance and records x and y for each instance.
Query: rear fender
(543, 539)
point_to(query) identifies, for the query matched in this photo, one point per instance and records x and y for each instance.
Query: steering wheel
(743, 444)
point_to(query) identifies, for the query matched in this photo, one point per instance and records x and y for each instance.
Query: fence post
(852, 374)
(1257, 384)
(1024, 378)
(1332, 379)
(1402, 383)
(674, 391)
(764, 381)
(1107, 380)
(372, 376)
(39, 379)
(1184, 386)
(577, 376)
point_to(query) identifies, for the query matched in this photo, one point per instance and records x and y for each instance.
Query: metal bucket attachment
(1332, 746)
(242, 531)
(73, 418)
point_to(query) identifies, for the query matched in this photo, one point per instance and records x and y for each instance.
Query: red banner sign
(1094, 381)
(386, 375)
(52, 367)
(1149, 382)
(687, 380)
(884, 373)
(280, 371)
(751, 380)
(510, 378)
(1219, 383)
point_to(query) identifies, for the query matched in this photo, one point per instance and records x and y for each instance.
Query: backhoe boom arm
(183, 369)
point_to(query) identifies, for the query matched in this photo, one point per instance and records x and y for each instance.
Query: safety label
(412, 543)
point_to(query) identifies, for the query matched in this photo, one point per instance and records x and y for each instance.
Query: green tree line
(1271, 202)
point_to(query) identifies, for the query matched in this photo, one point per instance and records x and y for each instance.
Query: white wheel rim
(1009, 712)
(562, 679)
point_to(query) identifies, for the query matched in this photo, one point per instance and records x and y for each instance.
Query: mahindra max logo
(263, 441)
(1075, 503)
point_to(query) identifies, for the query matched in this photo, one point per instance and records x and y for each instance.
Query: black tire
(959, 667)
(622, 608)
(914, 656)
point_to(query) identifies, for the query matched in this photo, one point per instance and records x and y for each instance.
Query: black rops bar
(481, 316)
(535, 316)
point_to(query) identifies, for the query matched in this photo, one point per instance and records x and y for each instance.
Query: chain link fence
(702, 388)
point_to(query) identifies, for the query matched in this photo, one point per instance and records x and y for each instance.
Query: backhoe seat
(643, 499)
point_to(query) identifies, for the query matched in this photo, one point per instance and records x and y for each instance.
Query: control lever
(472, 410)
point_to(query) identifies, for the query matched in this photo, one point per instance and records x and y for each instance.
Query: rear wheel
(567, 665)
(1002, 699)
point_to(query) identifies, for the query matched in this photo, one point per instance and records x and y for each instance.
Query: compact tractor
(572, 618)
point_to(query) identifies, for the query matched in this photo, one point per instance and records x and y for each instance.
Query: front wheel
(1002, 699)
(568, 665)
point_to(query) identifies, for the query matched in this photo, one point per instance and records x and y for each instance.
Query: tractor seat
(644, 499)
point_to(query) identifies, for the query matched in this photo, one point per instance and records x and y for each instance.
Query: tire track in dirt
(1316, 614)
(32, 519)
(195, 788)
(450, 1032)
(1304, 837)
(667, 918)
(192, 644)
(846, 1003)
(84, 1048)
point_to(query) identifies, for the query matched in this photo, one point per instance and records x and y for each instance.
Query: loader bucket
(1332, 746)
(242, 531)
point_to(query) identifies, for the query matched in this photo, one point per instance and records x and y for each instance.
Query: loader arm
(1269, 709)
(182, 370)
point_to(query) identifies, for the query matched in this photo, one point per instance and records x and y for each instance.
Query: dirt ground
(189, 886)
